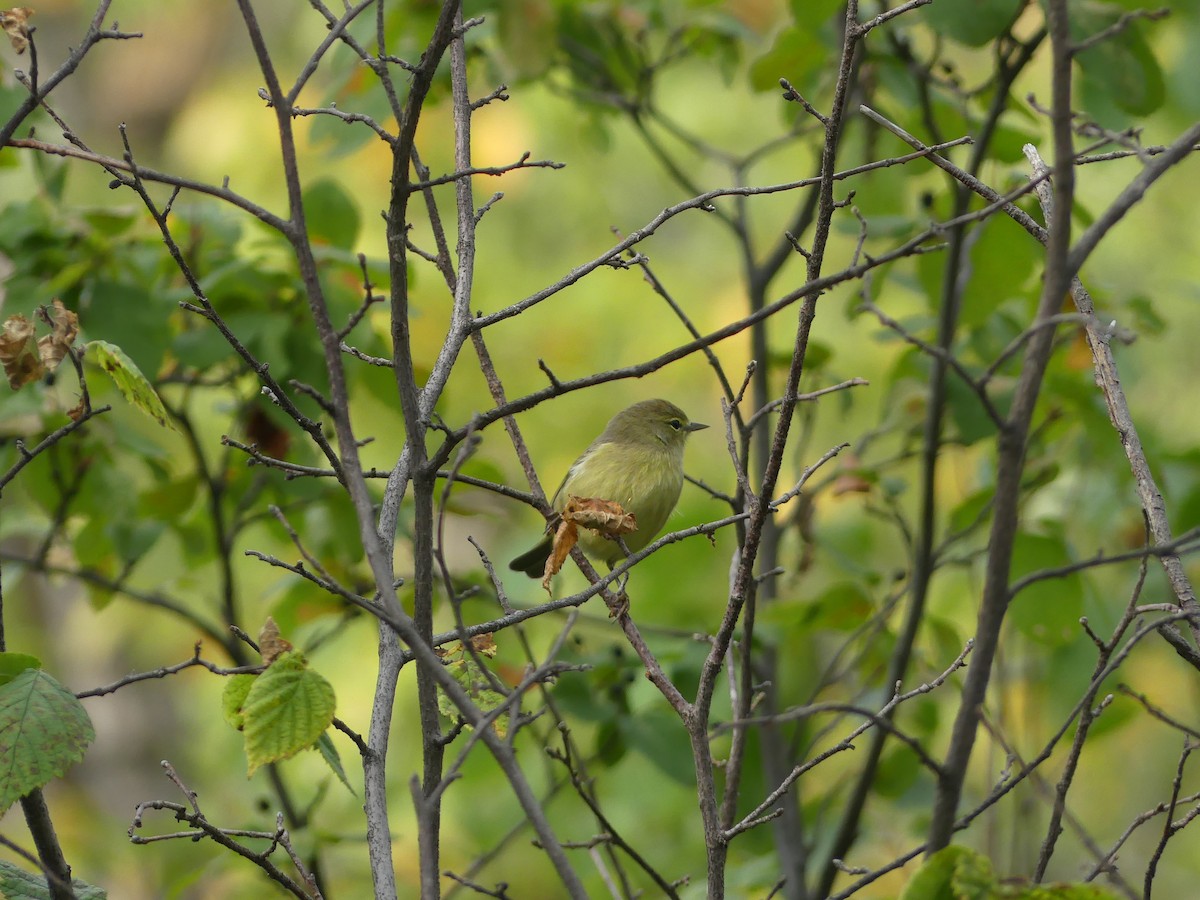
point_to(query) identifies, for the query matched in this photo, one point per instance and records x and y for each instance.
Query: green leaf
(843, 606)
(53, 175)
(1120, 70)
(329, 753)
(659, 737)
(956, 873)
(286, 709)
(796, 54)
(898, 771)
(971, 22)
(1146, 319)
(13, 664)
(935, 879)
(1065, 892)
(970, 418)
(1049, 610)
(17, 884)
(332, 216)
(44, 730)
(130, 380)
(471, 677)
(233, 698)
(124, 313)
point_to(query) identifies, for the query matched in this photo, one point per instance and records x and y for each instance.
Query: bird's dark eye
(675, 423)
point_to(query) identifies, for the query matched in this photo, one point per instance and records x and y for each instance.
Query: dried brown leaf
(484, 644)
(850, 480)
(565, 538)
(15, 23)
(603, 516)
(18, 352)
(64, 326)
(270, 644)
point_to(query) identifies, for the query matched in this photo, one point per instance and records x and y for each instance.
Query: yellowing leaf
(130, 380)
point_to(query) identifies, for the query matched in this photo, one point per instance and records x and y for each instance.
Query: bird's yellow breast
(645, 479)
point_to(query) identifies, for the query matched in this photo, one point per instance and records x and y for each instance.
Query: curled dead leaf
(19, 352)
(484, 644)
(270, 643)
(15, 23)
(64, 325)
(26, 357)
(849, 483)
(851, 480)
(565, 538)
(603, 516)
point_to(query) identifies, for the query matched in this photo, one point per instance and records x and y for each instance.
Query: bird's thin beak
(695, 426)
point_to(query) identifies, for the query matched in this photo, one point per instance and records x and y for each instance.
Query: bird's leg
(619, 608)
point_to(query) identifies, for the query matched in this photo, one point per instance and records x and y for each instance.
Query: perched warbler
(637, 462)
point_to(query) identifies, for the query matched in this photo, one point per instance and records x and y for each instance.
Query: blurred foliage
(126, 542)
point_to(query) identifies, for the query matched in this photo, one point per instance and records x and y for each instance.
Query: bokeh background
(187, 94)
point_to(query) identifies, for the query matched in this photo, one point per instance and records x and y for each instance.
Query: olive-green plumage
(637, 462)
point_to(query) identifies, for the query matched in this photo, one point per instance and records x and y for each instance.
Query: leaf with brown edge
(64, 325)
(270, 643)
(19, 352)
(15, 23)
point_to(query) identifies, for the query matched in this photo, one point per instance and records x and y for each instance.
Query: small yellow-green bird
(637, 462)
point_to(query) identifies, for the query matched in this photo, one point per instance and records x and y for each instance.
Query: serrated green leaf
(286, 709)
(17, 884)
(934, 880)
(957, 873)
(44, 730)
(233, 698)
(13, 664)
(974, 878)
(130, 380)
(328, 751)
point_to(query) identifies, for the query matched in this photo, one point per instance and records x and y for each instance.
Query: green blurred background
(187, 93)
